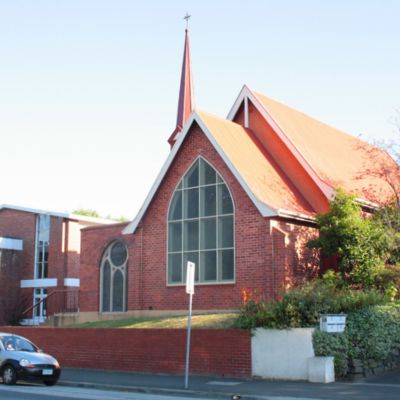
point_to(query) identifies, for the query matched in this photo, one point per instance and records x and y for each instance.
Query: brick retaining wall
(213, 352)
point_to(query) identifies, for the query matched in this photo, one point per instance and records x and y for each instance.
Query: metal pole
(188, 343)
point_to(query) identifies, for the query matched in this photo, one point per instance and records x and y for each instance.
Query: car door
(2, 351)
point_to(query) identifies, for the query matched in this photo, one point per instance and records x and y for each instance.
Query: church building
(238, 197)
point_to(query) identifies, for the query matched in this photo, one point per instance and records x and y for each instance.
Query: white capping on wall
(39, 283)
(11, 244)
(72, 282)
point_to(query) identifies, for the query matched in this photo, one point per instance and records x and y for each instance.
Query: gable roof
(271, 194)
(254, 168)
(331, 157)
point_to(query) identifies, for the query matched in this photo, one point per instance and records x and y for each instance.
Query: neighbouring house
(236, 196)
(39, 262)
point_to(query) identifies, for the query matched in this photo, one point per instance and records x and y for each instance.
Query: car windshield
(17, 343)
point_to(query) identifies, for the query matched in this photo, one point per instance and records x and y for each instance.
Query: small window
(113, 270)
(201, 227)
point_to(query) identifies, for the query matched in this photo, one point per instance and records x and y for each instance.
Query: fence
(213, 352)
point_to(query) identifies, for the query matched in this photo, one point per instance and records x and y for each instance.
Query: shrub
(302, 307)
(371, 338)
(336, 345)
(358, 242)
(388, 281)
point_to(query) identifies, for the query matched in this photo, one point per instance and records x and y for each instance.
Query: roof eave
(296, 215)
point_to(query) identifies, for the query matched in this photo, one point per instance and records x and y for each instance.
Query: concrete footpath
(384, 386)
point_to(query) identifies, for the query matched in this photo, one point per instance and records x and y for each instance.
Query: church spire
(185, 102)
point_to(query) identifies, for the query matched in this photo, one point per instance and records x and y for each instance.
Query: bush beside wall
(371, 340)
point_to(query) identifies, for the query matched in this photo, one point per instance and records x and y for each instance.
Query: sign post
(190, 292)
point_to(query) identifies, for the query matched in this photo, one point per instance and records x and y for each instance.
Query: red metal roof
(339, 159)
(321, 158)
(255, 166)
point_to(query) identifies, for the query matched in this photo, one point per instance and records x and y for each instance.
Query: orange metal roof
(339, 159)
(255, 166)
(329, 156)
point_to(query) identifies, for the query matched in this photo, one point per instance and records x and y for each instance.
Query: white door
(40, 311)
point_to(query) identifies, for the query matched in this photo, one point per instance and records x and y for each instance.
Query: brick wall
(64, 253)
(261, 261)
(250, 238)
(10, 291)
(213, 352)
(57, 258)
(18, 225)
(73, 247)
(94, 241)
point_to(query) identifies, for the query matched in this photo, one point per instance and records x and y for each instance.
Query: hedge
(371, 339)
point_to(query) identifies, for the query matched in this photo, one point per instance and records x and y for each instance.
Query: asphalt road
(383, 386)
(33, 392)
(37, 392)
(110, 385)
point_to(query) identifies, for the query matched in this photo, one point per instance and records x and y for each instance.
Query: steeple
(185, 102)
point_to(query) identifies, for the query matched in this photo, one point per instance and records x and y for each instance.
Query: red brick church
(236, 196)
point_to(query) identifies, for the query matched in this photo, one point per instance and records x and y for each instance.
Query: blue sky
(89, 89)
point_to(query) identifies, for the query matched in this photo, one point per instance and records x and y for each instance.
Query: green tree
(389, 215)
(93, 213)
(86, 212)
(388, 218)
(357, 240)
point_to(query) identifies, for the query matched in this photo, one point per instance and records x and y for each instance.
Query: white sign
(332, 322)
(190, 292)
(190, 277)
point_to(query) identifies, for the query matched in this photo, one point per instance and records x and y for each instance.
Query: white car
(21, 359)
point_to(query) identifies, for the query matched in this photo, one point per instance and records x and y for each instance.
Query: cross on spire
(186, 18)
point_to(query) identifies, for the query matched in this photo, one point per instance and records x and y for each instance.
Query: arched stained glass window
(201, 227)
(113, 278)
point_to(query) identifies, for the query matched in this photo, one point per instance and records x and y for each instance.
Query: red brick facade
(269, 254)
(16, 265)
(19, 265)
(10, 261)
(213, 352)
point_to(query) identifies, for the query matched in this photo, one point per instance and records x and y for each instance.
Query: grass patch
(206, 321)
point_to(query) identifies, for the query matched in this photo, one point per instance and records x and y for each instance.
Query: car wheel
(9, 375)
(49, 383)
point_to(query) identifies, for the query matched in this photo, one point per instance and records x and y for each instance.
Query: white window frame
(41, 241)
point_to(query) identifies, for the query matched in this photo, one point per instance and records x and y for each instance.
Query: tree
(357, 241)
(388, 216)
(383, 162)
(122, 218)
(86, 212)
(93, 213)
